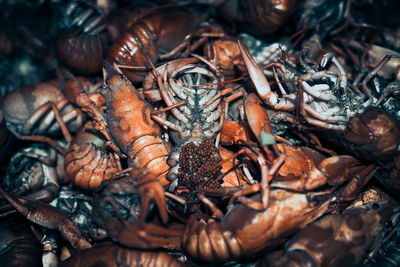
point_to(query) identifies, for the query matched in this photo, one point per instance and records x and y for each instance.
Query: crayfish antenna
(109, 69)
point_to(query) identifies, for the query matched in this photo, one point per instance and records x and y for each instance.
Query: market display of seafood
(199, 133)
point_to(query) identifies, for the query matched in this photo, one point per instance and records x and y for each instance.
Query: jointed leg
(263, 186)
(40, 138)
(216, 212)
(168, 98)
(40, 112)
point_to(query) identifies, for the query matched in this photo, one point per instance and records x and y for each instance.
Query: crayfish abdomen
(25, 110)
(157, 33)
(257, 17)
(112, 255)
(87, 161)
(337, 240)
(373, 134)
(80, 45)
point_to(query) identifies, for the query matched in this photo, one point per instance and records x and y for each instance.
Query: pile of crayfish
(199, 133)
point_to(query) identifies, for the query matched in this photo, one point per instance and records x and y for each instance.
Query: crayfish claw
(150, 188)
(143, 236)
(49, 217)
(256, 74)
(146, 195)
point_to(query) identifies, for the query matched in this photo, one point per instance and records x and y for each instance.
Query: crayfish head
(118, 87)
(110, 71)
